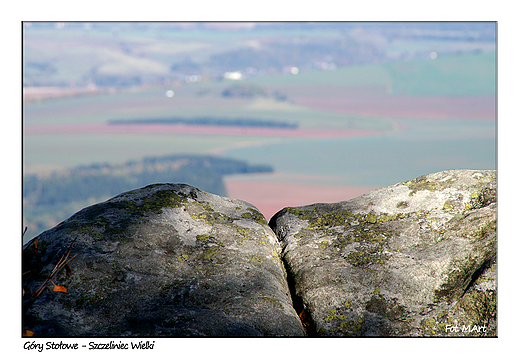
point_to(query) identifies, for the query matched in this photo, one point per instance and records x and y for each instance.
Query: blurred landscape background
(276, 114)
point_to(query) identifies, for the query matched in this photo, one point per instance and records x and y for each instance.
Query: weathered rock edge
(164, 260)
(414, 259)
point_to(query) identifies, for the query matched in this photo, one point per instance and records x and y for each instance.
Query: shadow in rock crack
(299, 306)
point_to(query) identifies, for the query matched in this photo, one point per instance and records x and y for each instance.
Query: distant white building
(291, 70)
(235, 75)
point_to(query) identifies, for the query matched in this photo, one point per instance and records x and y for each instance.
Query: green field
(57, 151)
(459, 75)
(374, 161)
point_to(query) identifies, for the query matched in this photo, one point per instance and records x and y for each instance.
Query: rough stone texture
(414, 259)
(164, 260)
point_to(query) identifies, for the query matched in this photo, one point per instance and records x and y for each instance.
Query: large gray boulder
(164, 260)
(414, 259)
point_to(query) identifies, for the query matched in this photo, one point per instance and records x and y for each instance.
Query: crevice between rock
(297, 302)
(487, 264)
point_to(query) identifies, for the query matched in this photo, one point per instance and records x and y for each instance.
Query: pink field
(270, 197)
(196, 130)
(374, 102)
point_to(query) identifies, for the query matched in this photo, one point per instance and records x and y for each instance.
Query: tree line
(100, 180)
(48, 200)
(206, 121)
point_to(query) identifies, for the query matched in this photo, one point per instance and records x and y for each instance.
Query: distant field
(72, 131)
(359, 96)
(270, 197)
(372, 102)
(144, 102)
(317, 108)
(456, 86)
(379, 97)
(70, 145)
(422, 147)
(359, 75)
(455, 75)
(188, 102)
(58, 150)
(204, 130)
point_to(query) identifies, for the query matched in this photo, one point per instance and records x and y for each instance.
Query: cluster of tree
(250, 91)
(207, 121)
(304, 54)
(56, 197)
(105, 180)
(244, 91)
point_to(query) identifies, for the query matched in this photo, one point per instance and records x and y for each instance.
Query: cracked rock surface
(414, 259)
(164, 260)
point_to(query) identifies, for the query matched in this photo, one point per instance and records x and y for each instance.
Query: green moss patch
(254, 215)
(422, 184)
